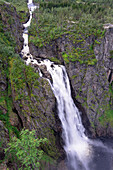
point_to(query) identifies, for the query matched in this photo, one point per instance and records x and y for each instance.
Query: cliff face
(91, 84)
(11, 23)
(8, 39)
(26, 100)
(34, 103)
(90, 74)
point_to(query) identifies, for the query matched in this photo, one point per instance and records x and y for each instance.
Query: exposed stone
(44, 71)
(13, 119)
(3, 166)
(36, 106)
(4, 138)
(90, 83)
(38, 111)
(7, 12)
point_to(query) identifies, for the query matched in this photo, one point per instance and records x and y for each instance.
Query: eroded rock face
(26, 100)
(4, 138)
(91, 86)
(90, 82)
(11, 22)
(35, 105)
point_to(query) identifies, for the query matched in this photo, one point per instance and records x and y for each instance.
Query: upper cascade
(25, 51)
(80, 150)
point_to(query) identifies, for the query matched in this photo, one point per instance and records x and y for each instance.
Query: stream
(82, 152)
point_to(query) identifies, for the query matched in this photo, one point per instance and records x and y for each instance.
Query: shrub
(26, 149)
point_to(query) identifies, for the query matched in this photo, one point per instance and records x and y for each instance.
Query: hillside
(76, 34)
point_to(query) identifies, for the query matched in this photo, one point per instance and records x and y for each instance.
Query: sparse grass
(20, 5)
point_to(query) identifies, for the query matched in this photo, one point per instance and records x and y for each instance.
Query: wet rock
(89, 83)
(62, 166)
(25, 57)
(21, 39)
(44, 71)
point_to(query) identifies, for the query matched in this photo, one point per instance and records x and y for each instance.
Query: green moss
(97, 42)
(65, 57)
(92, 62)
(24, 81)
(54, 59)
(107, 117)
(111, 52)
(74, 76)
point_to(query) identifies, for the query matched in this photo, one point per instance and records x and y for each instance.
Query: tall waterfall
(76, 145)
(82, 153)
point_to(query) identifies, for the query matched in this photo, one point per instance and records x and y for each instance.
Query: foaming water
(76, 142)
(25, 50)
(82, 153)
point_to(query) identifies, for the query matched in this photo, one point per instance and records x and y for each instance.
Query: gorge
(34, 106)
(79, 149)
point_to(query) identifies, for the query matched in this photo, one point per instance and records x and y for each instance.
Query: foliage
(7, 51)
(21, 8)
(20, 5)
(26, 149)
(21, 82)
(22, 77)
(78, 20)
(55, 18)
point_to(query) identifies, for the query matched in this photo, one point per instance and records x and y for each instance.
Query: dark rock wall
(26, 100)
(90, 82)
(11, 23)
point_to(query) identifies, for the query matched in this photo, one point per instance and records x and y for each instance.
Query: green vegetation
(7, 51)
(108, 115)
(20, 5)
(82, 55)
(22, 77)
(76, 20)
(54, 19)
(26, 150)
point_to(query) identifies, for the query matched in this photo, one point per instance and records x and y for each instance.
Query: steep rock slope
(26, 100)
(91, 75)
(11, 23)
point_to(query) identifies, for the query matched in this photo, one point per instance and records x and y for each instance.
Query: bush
(26, 149)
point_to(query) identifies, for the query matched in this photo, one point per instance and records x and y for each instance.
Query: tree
(26, 149)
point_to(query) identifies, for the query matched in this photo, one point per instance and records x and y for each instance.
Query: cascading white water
(78, 147)
(25, 50)
(76, 142)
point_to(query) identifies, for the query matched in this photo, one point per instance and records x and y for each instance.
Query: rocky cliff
(89, 64)
(26, 100)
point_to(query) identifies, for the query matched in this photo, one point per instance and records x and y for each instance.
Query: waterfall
(25, 51)
(82, 153)
(75, 140)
